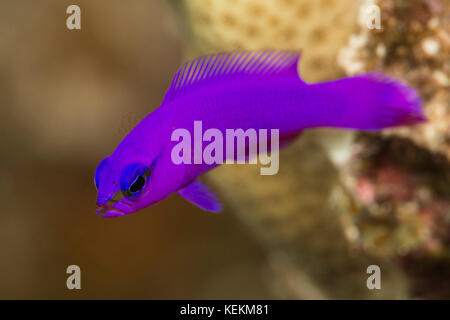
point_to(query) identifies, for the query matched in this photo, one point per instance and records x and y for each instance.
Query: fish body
(246, 90)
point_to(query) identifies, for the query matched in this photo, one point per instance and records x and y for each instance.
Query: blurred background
(342, 201)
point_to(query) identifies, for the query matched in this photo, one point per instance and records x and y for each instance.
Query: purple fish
(254, 89)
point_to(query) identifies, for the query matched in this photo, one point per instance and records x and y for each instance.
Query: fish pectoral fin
(200, 195)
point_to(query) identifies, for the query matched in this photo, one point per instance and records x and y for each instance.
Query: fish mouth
(108, 212)
(110, 208)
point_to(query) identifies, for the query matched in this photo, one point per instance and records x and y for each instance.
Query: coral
(413, 45)
(398, 205)
(396, 185)
(321, 27)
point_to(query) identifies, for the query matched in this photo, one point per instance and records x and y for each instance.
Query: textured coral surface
(398, 182)
(320, 26)
(413, 45)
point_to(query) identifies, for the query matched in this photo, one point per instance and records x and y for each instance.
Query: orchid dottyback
(251, 89)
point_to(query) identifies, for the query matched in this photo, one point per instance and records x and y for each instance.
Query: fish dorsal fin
(219, 67)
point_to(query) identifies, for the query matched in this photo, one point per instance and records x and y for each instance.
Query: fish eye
(137, 185)
(133, 179)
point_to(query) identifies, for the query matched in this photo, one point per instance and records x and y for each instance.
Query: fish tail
(366, 102)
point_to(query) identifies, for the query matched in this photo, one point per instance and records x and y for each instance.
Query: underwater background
(341, 201)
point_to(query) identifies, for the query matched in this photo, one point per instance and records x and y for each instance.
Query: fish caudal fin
(367, 102)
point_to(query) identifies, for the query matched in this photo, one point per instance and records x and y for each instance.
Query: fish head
(126, 186)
